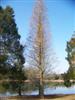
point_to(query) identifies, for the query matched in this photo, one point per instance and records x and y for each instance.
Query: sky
(61, 17)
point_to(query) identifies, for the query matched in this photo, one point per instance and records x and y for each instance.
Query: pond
(47, 91)
(56, 90)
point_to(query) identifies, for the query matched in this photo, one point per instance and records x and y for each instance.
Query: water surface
(47, 91)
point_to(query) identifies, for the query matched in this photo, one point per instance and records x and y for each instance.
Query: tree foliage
(70, 75)
(11, 51)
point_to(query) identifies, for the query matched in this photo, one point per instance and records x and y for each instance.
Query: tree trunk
(19, 91)
(41, 86)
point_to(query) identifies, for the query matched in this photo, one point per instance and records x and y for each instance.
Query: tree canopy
(11, 50)
(70, 75)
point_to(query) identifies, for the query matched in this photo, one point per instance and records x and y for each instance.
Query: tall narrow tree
(39, 50)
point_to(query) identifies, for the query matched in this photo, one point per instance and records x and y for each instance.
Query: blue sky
(61, 19)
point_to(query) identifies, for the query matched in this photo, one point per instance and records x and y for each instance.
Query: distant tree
(31, 73)
(11, 51)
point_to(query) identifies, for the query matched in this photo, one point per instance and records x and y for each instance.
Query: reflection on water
(60, 90)
(48, 90)
(8, 94)
(56, 90)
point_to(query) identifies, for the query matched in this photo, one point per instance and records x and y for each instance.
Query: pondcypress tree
(11, 51)
(39, 51)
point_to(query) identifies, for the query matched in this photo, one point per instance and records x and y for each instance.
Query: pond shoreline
(33, 97)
